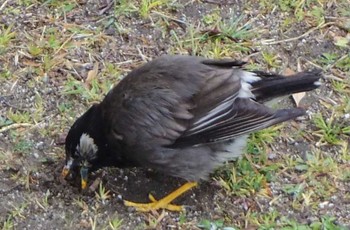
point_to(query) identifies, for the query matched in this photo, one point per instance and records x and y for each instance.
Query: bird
(180, 115)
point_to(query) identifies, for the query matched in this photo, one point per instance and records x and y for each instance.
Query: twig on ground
(333, 77)
(143, 57)
(64, 43)
(327, 100)
(171, 18)
(13, 106)
(336, 62)
(106, 7)
(322, 25)
(3, 5)
(338, 75)
(14, 126)
(311, 63)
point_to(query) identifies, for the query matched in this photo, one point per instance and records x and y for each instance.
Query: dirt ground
(59, 57)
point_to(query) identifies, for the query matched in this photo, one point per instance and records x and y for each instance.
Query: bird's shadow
(136, 184)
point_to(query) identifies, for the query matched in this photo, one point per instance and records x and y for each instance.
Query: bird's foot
(153, 205)
(163, 203)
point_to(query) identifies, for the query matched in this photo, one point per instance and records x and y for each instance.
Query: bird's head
(82, 149)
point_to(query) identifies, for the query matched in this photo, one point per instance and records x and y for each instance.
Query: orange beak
(83, 184)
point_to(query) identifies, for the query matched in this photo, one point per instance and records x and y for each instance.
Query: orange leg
(163, 203)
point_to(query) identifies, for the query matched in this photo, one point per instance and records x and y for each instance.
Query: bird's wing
(186, 101)
(225, 108)
(155, 118)
(243, 117)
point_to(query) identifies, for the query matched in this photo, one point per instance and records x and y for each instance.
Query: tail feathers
(289, 114)
(271, 86)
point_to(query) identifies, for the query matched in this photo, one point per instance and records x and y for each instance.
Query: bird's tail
(273, 85)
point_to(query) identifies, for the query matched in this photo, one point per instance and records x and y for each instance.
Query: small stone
(323, 204)
(272, 156)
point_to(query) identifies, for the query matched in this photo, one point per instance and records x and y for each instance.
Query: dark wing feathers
(224, 63)
(160, 120)
(197, 103)
(244, 117)
(215, 98)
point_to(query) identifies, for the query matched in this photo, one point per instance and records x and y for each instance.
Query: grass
(271, 60)
(93, 92)
(102, 194)
(23, 146)
(147, 5)
(6, 36)
(208, 225)
(301, 9)
(116, 223)
(216, 40)
(16, 212)
(125, 8)
(18, 116)
(144, 8)
(331, 130)
(276, 221)
(344, 64)
(250, 174)
(287, 170)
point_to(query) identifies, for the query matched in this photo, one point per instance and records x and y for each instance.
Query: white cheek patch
(87, 148)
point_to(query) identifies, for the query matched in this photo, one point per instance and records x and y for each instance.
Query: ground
(57, 57)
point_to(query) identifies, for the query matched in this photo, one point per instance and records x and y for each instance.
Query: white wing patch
(232, 150)
(87, 147)
(318, 83)
(246, 79)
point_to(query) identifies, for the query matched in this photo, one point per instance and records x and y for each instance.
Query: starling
(180, 115)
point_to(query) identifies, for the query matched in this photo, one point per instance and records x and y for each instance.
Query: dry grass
(59, 57)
